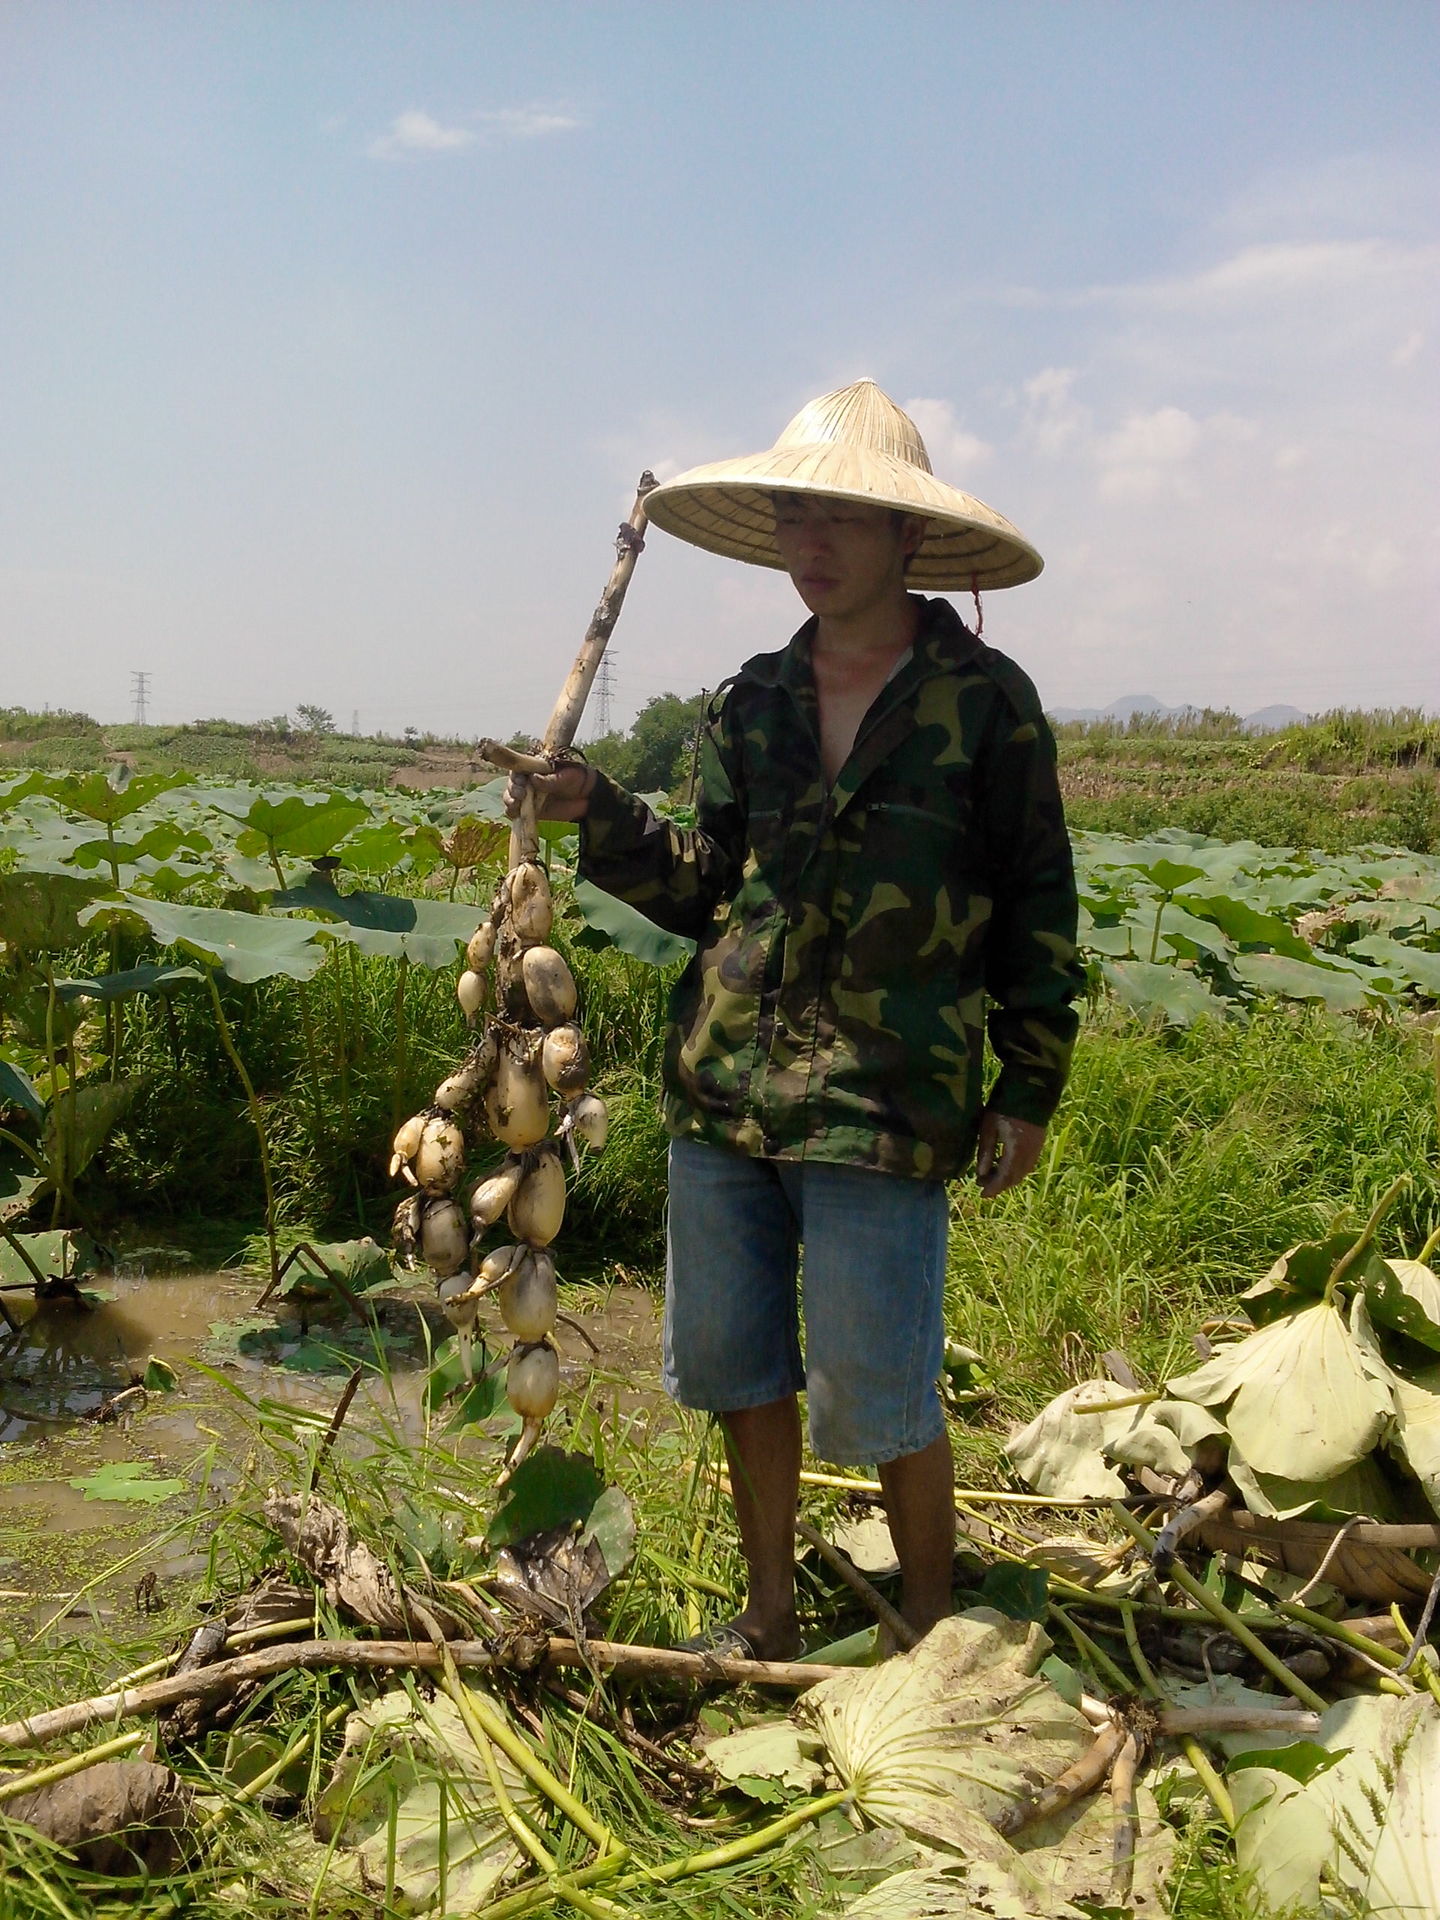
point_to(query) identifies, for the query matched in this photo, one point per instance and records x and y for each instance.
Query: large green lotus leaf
(1248, 926)
(1114, 942)
(550, 1489)
(1278, 973)
(1302, 1403)
(128, 1480)
(1370, 1823)
(393, 843)
(62, 1251)
(94, 797)
(429, 932)
(1417, 1431)
(17, 1089)
(1416, 966)
(623, 927)
(1062, 1451)
(131, 980)
(79, 1121)
(1150, 988)
(1186, 933)
(157, 842)
(249, 946)
(40, 912)
(400, 1756)
(1405, 1295)
(1361, 1488)
(304, 823)
(359, 1264)
(941, 1741)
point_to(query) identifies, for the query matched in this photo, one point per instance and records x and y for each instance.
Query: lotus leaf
(1405, 1295)
(127, 1480)
(1164, 1436)
(1061, 1452)
(974, 1891)
(451, 1854)
(1414, 965)
(307, 824)
(1370, 1823)
(1361, 1488)
(17, 1089)
(79, 1121)
(1148, 988)
(867, 1544)
(1302, 1403)
(41, 912)
(624, 927)
(131, 980)
(773, 1751)
(94, 796)
(1277, 973)
(1417, 1433)
(429, 932)
(247, 946)
(941, 1740)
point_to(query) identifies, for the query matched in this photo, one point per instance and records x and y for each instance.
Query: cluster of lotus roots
(530, 1066)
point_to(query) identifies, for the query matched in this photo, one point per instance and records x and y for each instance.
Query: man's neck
(886, 629)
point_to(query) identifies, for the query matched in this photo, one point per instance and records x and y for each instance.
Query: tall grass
(1179, 1168)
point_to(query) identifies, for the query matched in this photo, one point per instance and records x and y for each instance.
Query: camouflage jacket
(848, 939)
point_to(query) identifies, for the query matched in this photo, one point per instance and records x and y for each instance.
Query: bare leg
(920, 1505)
(763, 1448)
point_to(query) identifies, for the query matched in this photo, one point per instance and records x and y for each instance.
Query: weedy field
(219, 1001)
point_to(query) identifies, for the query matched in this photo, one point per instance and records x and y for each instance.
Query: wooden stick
(629, 543)
(894, 1623)
(224, 1676)
(1214, 1506)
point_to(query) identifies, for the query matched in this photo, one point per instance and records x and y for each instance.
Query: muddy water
(68, 1361)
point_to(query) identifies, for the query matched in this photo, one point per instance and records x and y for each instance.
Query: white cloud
(954, 451)
(1053, 418)
(526, 123)
(415, 132)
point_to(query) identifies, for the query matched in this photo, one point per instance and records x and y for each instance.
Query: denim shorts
(873, 1286)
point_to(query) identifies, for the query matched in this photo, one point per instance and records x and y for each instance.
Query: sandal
(723, 1642)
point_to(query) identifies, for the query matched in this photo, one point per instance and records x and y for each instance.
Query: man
(880, 849)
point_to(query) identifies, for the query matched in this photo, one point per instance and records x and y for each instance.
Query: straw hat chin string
(854, 444)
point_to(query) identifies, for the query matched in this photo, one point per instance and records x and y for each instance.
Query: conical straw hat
(854, 444)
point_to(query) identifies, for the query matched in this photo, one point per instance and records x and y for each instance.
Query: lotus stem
(257, 1120)
(1233, 1624)
(482, 1720)
(528, 1840)
(1354, 1255)
(1174, 1725)
(1096, 1655)
(22, 1783)
(1122, 1799)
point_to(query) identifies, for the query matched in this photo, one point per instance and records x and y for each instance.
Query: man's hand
(1007, 1150)
(562, 795)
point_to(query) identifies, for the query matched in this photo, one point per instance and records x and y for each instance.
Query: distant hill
(1123, 710)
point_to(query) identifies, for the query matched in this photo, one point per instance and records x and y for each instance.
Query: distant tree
(315, 719)
(661, 741)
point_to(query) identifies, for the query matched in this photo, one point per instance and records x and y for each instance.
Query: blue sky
(333, 337)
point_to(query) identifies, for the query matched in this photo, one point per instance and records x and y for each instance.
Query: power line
(140, 688)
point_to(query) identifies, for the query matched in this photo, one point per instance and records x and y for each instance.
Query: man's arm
(1031, 972)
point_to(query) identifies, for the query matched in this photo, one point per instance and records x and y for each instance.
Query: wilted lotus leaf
(471, 842)
(1303, 1405)
(940, 1741)
(1061, 1452)
(867, 1544)
(977, 1888)
(1417, 1433)
(773, 1751)
(1371, 1822)
(1085, 1562)
(400, 1761)
(1360, 1488)
(1406, 1296)
(1164, 1437)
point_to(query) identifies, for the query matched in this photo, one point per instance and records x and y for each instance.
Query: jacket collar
(942, 643)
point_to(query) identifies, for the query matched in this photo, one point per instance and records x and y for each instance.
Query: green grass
(1181, 1165)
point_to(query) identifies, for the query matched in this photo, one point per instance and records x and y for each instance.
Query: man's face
(844, 557)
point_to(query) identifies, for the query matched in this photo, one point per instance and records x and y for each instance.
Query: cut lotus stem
(1122, 1799)
(1214, 1506)
(1087, 1773)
